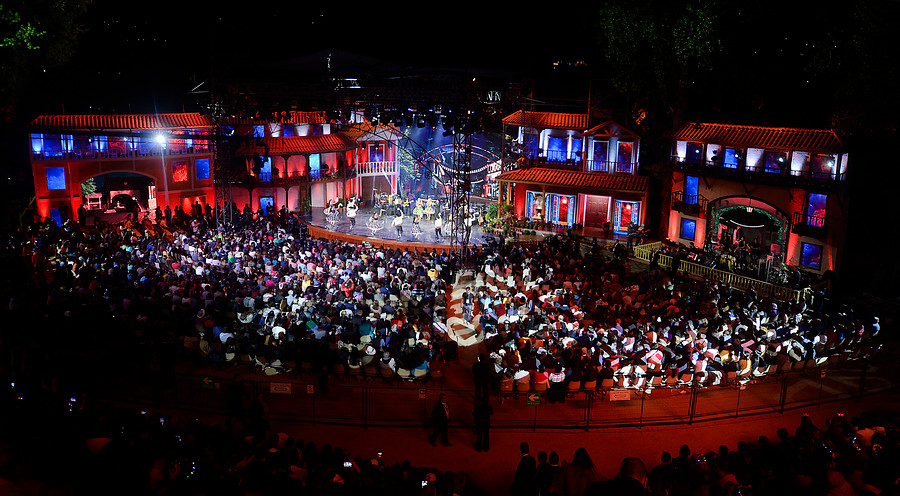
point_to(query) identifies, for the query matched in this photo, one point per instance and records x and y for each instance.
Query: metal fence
(765, 289)
(382, 402)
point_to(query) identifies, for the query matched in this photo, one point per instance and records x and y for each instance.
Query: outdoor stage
(386, 236)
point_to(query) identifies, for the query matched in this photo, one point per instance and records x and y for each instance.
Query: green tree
(656, 51)
(34, 35)
(88, 187)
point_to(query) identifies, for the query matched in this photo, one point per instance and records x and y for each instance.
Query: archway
(114, 196)
(754, 220)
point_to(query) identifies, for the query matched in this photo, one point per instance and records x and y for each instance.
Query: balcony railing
(387, 167)
(117, 153)
(296, 177)
(760, 173)
(808, 225)
(560, 157)
(610, 166)
(689, 204)
(763, 288)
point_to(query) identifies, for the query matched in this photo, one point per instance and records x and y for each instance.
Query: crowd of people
(560, 312)
(847, 457)
(745, 259)
(555, 313)
(262, 289)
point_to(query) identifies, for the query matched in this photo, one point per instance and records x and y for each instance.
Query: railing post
(784, 387)
(588, 408)
(641, 421)
(693, 404)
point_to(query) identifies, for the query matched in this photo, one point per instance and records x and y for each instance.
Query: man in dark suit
(525, 481)
(440, 416)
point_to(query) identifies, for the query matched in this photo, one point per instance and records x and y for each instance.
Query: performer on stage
(416, 229)
(418, 211)
(352, 208)
(398, 225)
(438, 223)
(406, 206)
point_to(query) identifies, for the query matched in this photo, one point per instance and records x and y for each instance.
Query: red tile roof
(548, 120)
(121, 122)
(294, 145)
(758, 136)
(367, 132)
(287, 117)
(576, 179)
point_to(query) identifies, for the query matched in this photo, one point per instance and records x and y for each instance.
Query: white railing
(377, 168)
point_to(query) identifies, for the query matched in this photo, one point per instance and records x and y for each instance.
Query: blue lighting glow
(688, 228)
(203, 168)
(56, 178)
(811, 255)
(691, 190)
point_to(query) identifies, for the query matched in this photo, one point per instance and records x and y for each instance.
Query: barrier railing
(645, 252)
(355, 401)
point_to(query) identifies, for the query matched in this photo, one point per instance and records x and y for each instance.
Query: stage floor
(387, 235)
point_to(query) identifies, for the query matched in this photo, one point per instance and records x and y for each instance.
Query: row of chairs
(637, 378)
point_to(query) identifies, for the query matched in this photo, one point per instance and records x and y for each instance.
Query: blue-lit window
(576, 149)
(53, 145)
(55, 215)
(775, 161)
(259, 131)
(146, 145)
(267, 204)
(815, 209)
(557, 149)
(599, 162)
(203, 168)
(83, 145)
(691, 190)
(265, 174)
(37, 143)
(287, 130)
(688, 228)
(531, 146)
(694, 153)
(376, 153)
(315, 165)
(731, 158)
(811, 255)
(56, 178)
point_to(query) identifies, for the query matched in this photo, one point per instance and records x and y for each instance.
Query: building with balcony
(779, 187)
(155, 159)
(290, 158)
(377, 163)
(562, 171)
